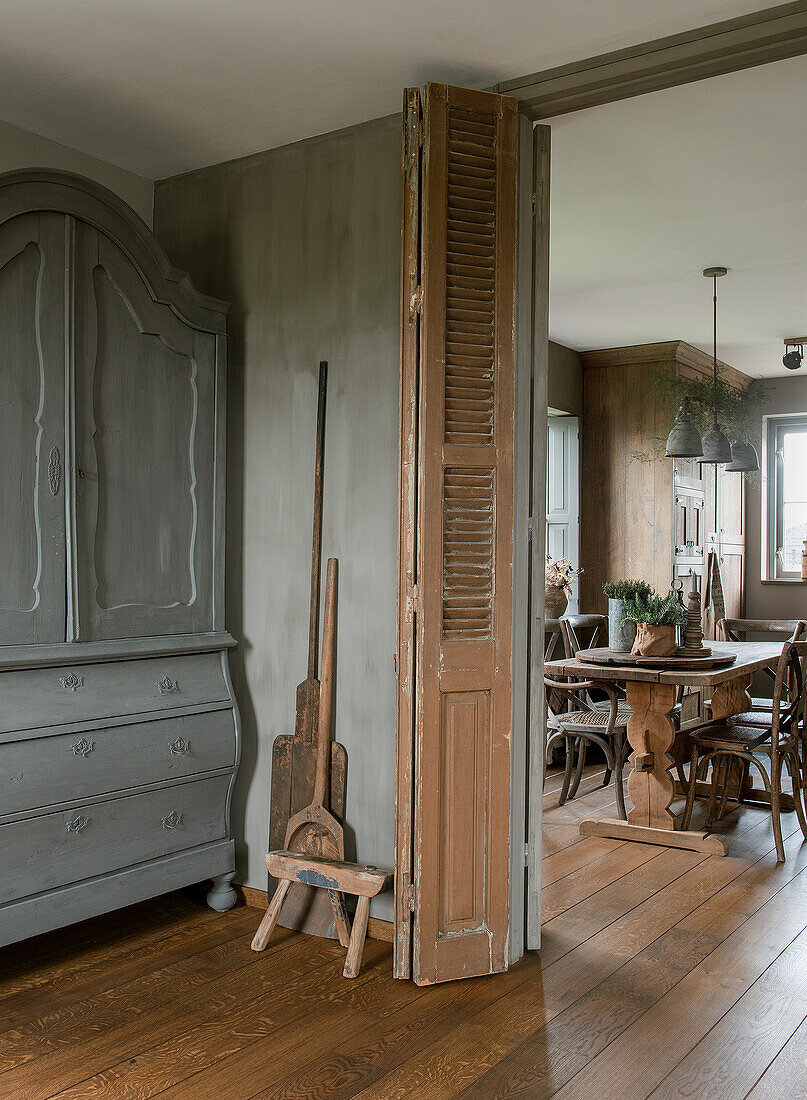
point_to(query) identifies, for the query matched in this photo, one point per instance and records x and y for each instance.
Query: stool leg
(340, 916)
(356, 948)
(267, 925)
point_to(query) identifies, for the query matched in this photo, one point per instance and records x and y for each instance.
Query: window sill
(785, 580)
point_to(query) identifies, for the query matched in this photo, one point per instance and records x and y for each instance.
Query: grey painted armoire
(118, 725)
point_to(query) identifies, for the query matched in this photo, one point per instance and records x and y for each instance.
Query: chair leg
(567, 773)
(690, 789)
(356, 947)
(718, 765)
(798, 790)
(267, 925)
(776, 789)
(581, 760)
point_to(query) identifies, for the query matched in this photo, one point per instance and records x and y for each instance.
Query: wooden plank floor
(664, 973)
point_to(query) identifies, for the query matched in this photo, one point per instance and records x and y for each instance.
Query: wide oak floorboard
(663, 972)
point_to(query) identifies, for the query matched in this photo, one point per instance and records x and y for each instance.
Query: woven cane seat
(592, 719)
(733, 734)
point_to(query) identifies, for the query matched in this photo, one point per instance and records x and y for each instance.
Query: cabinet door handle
(71, 682)
(82, 747)
(179, 747)
(77, 824)
(54, 470)
(170, 821)
(167, 685)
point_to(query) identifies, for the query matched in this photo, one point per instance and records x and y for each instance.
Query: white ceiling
(649, 191)
(163, 86)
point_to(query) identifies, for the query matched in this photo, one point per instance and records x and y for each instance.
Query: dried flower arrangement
(560, 573)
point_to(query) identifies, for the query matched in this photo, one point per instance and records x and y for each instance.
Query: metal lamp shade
(684, 440)
(744, 459)
(716, 445)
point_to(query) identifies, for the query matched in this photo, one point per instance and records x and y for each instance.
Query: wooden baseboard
(377, 929)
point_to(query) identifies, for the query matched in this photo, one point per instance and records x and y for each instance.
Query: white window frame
(772, 508)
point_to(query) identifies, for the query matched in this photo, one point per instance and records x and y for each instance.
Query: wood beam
(756, 39)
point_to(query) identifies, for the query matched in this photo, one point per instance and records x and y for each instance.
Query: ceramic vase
(555, 601)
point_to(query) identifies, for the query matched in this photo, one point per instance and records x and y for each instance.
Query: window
(786, 495)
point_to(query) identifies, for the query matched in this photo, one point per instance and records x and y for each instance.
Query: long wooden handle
(316, 549)
(322, 779)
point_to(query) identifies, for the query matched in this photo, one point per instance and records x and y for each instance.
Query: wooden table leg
(731, 697)
(650, 784)
(356, 948)
(267, 925)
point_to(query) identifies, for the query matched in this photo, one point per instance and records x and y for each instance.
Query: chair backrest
(583, 632)
(789, 690)
(552, 639)
(735, 630)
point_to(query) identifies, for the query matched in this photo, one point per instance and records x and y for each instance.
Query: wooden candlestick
(693, 632)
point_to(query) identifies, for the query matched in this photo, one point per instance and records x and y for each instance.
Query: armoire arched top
(40, 189)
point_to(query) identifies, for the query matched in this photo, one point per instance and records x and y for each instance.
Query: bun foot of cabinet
(221, 895)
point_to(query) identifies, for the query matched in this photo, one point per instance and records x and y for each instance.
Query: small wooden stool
(337, 878)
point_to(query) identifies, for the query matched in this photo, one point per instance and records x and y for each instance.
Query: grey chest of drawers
(119, 734)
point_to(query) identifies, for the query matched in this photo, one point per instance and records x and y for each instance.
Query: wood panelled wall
(627, 504)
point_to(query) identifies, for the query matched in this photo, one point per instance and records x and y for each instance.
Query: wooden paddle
(294, 758)
(314, 830)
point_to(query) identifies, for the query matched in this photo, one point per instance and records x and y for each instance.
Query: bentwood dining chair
(734, 745)
(737, 630)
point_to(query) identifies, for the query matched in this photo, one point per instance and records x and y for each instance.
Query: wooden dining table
(652, 694)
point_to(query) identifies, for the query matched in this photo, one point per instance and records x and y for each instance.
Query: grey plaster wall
(305, 243)
(565, 380)
(771, 601)
(21, 149)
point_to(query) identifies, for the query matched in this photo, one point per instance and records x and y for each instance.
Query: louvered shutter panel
(461, 836)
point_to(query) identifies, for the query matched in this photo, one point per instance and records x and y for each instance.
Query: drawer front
(44, 852)
(41, 771)
(31, 698)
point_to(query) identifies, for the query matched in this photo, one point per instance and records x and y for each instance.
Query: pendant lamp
(716, 445)
(684, 440)
(744, 458)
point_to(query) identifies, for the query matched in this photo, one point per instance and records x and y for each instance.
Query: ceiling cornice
(756, 39)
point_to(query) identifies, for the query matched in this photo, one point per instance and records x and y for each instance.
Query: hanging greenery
(739, 411)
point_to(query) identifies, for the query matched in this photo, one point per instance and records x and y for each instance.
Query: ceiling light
(744, 459)
(684, 440)
(794, 353)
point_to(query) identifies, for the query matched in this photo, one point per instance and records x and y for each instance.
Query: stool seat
(330, 874)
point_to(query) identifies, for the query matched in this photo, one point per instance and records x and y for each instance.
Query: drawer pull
(167, 685)
(170, 821)
(77, 824)
(71, 682)
(82, 747)
(179, 747)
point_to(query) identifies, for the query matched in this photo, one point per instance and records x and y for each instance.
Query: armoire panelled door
(456, 543)
(32, 417)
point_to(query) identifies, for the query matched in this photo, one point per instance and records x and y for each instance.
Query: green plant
(626, 589)
(655, 610)
(739, 411)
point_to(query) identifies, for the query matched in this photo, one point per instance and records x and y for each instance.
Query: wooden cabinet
(118, 725)
(655, 520)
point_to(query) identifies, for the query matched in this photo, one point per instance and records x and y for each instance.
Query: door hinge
(526, 855)
(410, 897)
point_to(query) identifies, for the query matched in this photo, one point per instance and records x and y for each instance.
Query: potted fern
(657, 621)
(622, 631)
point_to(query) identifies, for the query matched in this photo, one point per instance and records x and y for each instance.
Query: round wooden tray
(609, 657)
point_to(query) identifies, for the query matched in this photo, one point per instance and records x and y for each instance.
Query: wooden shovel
(314, 830)
(294, 758)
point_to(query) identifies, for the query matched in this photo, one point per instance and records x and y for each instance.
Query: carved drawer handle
(82, 747)
(170, 821)
(77, 824)
(54, 470)
(179, 747)
(167, 685)
(71, 682)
